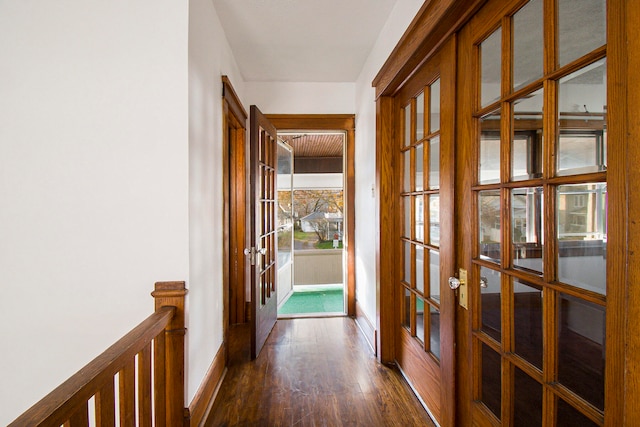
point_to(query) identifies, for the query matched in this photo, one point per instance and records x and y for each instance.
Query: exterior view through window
(311, 223)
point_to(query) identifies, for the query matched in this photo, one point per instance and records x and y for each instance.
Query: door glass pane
(527, 409)
(420, 319)
(491, 380)
(490, 68)
(420, 116)
(527, 224)
(491, 298)
(581, 28)
(419, 178)
(434, 163)
(420, 268)
(406, 162)
(419, 218)
(490, 148)
(434, 219)
(569, 417)
(434, 324)
(526, 143)
(527, 44)
(582, 103)
(406, 201)
(407, 263)
(406, 309)
(527, 322)
(581, 348)
(434, 108)
(582, 235)
(407, 125)
(489, 224)
(434, 275)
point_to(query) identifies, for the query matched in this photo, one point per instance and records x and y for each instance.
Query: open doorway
(311, 183)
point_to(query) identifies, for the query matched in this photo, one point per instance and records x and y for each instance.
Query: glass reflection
(407, 263)
(434, 107)
(581, 28)
(526, 143)
(434, 219)
(420, 268)
(491, 380)
(434, 275)
(490, 68)
(527, 223)
(406, 309)
(434, 163)
(489, 219)
(491, 299)
(419, 218)
(489, 171)
(527, 403)
(406, 162)
(407, 125)
(582, 236)
(527, 321)
(420, 319)
(406, 201)
(581, 348)
(419, 178)
(567, 416)
(420, 116)
(527, 44)
(582, 103)
(434, 328)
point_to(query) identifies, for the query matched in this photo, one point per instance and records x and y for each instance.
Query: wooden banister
(161, 334)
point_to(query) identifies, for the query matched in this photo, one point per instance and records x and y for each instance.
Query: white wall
(210, 57)
(302, 98)
(93, 180)
(365, 240)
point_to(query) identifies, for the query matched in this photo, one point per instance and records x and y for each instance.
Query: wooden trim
(344, 122)
(198, 411)
(229, 94)
(367, 328)
(432, 26)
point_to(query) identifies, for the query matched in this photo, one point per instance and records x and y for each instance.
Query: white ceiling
(302, 40)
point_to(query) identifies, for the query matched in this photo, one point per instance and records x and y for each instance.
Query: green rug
(314, 301)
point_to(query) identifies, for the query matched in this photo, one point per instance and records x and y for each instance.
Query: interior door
(426, 304)
(263, 149)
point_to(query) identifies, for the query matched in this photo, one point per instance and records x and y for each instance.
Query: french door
(425, 311)
(534, 125)
(262, 207)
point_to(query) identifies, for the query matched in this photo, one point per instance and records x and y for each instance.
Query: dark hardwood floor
(312, 372)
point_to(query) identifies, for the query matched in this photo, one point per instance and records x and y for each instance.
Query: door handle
(252, 252)
(461, 285)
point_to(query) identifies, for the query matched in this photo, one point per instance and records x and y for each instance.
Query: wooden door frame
(234, 125)
(339, 122)
(434, 24)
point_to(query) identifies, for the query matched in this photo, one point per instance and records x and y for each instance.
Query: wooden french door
(425, 312)
(263, 147)
(533, 125)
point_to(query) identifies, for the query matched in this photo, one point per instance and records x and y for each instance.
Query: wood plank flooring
(312, 372)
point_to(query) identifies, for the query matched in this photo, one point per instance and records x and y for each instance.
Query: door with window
(425, 304)
(535, 127)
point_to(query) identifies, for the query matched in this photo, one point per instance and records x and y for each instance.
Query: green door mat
(324, 301)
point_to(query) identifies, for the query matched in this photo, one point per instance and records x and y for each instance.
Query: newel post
(169, 351)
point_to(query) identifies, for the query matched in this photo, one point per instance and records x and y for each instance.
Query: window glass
(434, 275)
(491, 298)
(406, 162)
(527, 225)
(527, 44)
(434, 219)
(581, 28)
(526, 142)
(407, 125)
(527, 322)
(420, 319)
(434, 327)
(490, 68)
(490, 148)
(582, 106)
(419, 235)
(420, 116)
(582, 235)
(419, 178)
(434, 163)
(434, 107)
(491, 380)
(489, 224)
(527, 403)
(420, 268)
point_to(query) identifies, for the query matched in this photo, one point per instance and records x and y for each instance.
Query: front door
(425, 311)
(262, 207)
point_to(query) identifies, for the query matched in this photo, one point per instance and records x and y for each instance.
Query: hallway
(312, 372)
